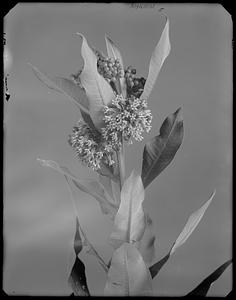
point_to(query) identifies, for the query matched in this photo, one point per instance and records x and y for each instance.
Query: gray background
(197, 75)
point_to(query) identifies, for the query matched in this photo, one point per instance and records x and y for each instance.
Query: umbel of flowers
(113, 102)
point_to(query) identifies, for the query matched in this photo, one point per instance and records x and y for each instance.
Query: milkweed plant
(113, 104)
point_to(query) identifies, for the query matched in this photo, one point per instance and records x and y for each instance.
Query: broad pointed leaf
(160, 150)
(65, 86)
(204, 286)
(159, 55)
(77, 279)
(191, 224)
(91, 187)
(129, 222)
(97, 88)
(128, 274)
(147, 244)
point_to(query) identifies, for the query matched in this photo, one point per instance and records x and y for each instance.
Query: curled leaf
(129, 222)
(160, 150)
(97, 88)
(204, 286)
(128, 274)
(191, 224)
(159, 55)
(65, 86)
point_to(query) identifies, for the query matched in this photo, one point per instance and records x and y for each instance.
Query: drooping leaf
(191, 224)
(65, 86)
(155, 268)
(114, 52)
(77, 279)
(91, 187)
(97, 88)
(204, 286)
(128, 274)
(147, 244)
(159, 55)
(129, 222)
(160, 150)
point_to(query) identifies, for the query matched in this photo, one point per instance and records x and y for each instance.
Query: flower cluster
(125, 119)
(90, 147)
(109, 68)
(134, 84)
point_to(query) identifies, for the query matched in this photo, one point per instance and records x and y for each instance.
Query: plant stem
(121, 160)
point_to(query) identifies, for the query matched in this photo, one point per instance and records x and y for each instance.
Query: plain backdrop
(39, 221)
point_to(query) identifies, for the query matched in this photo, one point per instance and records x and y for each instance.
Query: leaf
(91, 187)
(87, 119)
(78, 245)
(147, 244)
(90, 248)
(109, 171)
(154, 269)
(204, 286)
(77, 279)
(114, 52)
(111, 187)
(129, 222)
(230, 294)
(95, 189)
(97, 88)
(128, 275)
(159, 55)
(65, 86)
(106, 182)
(160, 150)
(191, 224)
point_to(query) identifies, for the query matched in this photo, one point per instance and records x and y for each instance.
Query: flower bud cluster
(126, 119)
(90, 148)
(109, 68)
(134, 84)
